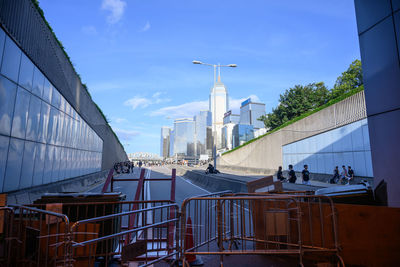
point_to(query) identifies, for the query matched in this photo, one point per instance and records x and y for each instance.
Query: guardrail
(220, 224)
(35, 237)
(248, 224)
(149, 245)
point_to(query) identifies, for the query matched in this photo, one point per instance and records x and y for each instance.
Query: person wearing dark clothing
(116, 168)
(335, 178)
(140, 164)
(292, 175)
(211, 169)
(306, 175)
(350, 175)
(279, 174)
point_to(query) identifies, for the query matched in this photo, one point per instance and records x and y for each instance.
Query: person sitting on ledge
(335, 177)
(211, 169)
(350, 175)
(343, 174)
(279, 174)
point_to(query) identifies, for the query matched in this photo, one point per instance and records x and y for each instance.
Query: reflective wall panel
(42, 137)
(347, 145)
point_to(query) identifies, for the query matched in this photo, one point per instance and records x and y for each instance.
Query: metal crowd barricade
(6, 223)
(34, 237)
(251, 224)
(110, 219)
(149, 237)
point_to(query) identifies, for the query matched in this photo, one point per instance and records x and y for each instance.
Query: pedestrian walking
(306, 175)
(292, 175)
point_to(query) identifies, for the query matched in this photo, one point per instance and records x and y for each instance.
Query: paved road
(157, 190)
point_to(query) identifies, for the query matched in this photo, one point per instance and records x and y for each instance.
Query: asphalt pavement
(157, 190)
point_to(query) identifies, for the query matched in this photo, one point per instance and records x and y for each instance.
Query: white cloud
(116, 8)
(89, 30)
(185, 110)
(136, 102)
(192, 108)
(146, 27)
(156, 94)
(119, 120)
(143, 102)
(126, 135)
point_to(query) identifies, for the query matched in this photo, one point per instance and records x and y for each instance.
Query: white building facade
(230, 120)
(218, 105)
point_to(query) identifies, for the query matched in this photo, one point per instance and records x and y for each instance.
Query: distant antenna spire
(219, 73)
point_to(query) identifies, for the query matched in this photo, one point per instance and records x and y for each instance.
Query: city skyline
(137, 72)
(215, 128)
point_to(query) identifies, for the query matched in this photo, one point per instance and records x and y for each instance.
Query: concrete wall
(266, 152)
(347, 145)
(378, 23)
(77, 184)
(23, 23)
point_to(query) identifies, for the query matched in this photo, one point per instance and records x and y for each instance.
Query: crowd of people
(344, 177)
(128, 166)
(124, 167)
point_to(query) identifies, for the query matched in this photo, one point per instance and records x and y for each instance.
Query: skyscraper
(218, 105)
(184, 137)
(165, 141)
(250, 112)
(230, 120)
(202, 120)
(171, 143)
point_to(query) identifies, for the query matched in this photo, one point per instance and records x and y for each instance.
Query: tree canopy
(300, 99)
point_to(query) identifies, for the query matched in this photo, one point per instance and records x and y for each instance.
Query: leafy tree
(301, 99)
(295, 101)
(350, 79)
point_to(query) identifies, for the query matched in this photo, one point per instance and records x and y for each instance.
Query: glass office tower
(250, 112)
(202, 121)
(164, 142)
(229, 117)
(241, 134)
(230, 120)
(171, 143)
(42, 138)
(184, 137)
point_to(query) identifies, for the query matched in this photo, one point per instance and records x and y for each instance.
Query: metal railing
(35, 237)
(220, 224)
(149, 244)
(248, 224)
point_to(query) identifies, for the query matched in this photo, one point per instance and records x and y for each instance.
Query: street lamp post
(215, 66)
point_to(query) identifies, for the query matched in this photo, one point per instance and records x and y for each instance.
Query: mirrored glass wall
(42, 138)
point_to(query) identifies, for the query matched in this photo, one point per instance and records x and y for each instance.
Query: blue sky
(135, 56)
